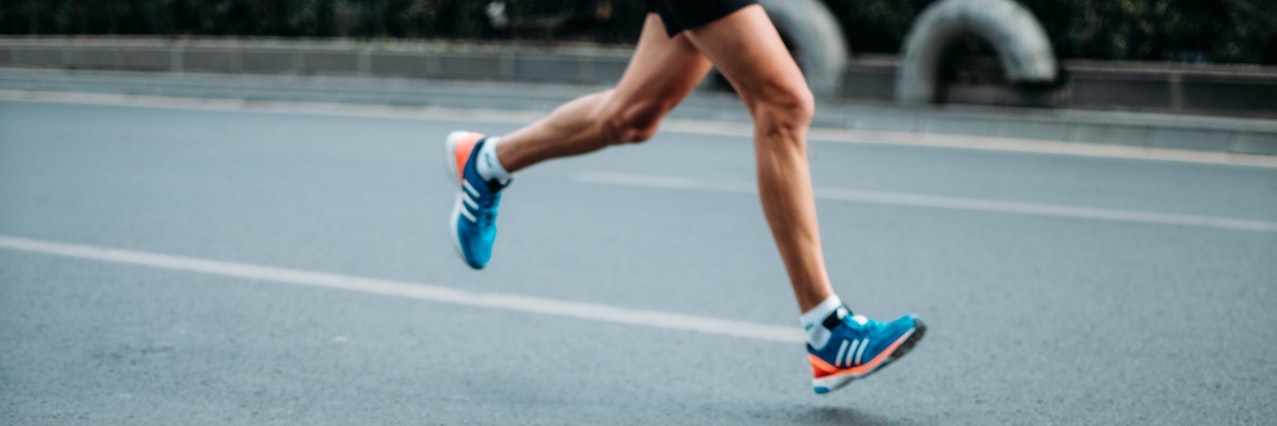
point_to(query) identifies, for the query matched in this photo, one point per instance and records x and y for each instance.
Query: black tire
(1010, 28)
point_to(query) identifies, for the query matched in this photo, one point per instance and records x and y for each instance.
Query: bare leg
(661, 74)
(663, 71)
(747, 50)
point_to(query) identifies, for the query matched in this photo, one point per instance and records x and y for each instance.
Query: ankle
(488, 165)
(814, 320)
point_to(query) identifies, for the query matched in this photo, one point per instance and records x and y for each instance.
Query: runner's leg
(746, 48)
(662, 72)
(841, 346)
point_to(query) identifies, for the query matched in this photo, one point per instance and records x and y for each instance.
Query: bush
(1242, 31)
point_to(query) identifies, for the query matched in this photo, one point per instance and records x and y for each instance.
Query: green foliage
(1178, 30)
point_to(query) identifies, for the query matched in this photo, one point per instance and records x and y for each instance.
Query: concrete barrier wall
(574, 65)
(1216, 90)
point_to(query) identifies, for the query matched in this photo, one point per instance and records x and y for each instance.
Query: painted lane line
(411, 290)
(940, 202)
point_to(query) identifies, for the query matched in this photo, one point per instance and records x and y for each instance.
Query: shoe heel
(450, 154)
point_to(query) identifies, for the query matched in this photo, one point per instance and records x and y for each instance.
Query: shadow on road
(842, 416)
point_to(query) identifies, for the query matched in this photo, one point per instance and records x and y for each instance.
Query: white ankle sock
(489, 166)
(813, 321)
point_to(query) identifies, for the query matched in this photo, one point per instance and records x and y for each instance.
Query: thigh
(663, 69)
(748, 51)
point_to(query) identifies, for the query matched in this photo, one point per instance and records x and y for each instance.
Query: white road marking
(412, 290)
(867, 137)
(941, 202)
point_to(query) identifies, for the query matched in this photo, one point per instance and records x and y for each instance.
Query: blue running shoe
(859, 346)
(474, 214)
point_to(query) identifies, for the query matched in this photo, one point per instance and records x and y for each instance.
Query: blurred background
(1185, 56)
(1193, 31)
(234, 212)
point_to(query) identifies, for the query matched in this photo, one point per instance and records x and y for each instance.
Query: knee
(633, 122)
(784, 110)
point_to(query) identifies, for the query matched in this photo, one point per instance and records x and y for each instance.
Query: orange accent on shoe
(819, 366)
(822, 369)
(462, 152)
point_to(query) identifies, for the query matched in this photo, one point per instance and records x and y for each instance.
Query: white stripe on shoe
(465, 196)
(846, 362)
(861, 352)
(466, 212)
(842, 349)
(470, 189)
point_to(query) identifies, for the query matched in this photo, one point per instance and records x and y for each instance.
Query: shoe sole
(450, 167)
(907, 343)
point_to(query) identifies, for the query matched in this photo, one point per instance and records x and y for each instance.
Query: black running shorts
(682, 15)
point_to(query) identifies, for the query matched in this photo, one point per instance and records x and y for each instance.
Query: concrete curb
(1215, 134)
(676, 125)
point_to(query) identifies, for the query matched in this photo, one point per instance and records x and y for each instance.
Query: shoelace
(487, 214)
(850, 322)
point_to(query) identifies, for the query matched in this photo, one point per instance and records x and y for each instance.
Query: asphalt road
(1058, 289)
